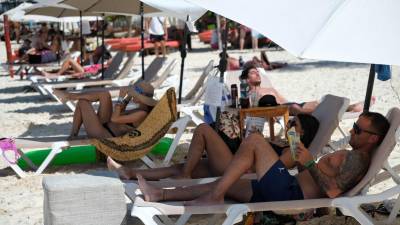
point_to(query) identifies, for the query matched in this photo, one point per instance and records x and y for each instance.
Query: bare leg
(240, 191)
(163, 48)
(92, 122)
(76, 122)
(359, 106)
(201, 170)
(149, 174)
(156, 48)
(206, 139)
(255, 43)
(254, 150)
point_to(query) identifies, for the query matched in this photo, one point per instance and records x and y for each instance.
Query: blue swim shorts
(276, 185)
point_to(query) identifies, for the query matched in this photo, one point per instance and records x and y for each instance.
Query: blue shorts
(276, 185)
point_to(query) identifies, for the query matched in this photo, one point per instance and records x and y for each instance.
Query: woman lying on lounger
(219, 155)
(110, 121)
(234, 64)
(91, 65)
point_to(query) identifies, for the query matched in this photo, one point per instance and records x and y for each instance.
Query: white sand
(32, 115)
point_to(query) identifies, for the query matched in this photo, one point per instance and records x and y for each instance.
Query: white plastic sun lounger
(151, 213)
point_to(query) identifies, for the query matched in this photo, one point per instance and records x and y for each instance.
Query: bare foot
(206, 199)
(359, 106)
(62, 95)
(151, 194)
(121, 170)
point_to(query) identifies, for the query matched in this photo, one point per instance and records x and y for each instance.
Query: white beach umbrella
(123, 7)
(182, 10)
(177, 8)
(362, 31)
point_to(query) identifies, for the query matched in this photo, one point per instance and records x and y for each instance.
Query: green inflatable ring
(84, 154)
(161, 148)
(74, 155)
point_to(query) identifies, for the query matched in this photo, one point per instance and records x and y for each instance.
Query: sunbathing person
(252, 75)
(91, 65)
(110, 121)
(41, 52)
(263, 62)
(334, 174)
(219, 155)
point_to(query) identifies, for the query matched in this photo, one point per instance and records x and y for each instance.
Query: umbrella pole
(183, 56)
(222, 69)
(97, 26)
(80, 19)
(142, 37)
(103, 48)
(370, 86)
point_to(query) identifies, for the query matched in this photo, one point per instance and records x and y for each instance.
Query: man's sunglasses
(358, 130)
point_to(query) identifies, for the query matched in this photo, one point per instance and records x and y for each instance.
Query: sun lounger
(161, 119)
(151, 72)
(110, 74)
(349, 203)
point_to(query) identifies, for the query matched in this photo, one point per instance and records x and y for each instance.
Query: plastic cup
(293, 139)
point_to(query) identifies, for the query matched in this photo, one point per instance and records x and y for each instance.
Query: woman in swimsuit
(110, 121)
(206, 139)
(91, 65)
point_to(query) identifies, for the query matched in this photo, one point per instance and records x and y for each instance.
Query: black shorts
(156, 38)
(276, 185)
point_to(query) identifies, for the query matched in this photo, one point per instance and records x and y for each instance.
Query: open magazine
(254, 124)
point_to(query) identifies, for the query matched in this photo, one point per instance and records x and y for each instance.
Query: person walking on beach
(157, 28)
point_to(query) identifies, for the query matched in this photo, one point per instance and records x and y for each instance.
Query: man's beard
(256, 83)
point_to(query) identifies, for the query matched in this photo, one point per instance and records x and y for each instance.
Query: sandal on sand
(8, 144)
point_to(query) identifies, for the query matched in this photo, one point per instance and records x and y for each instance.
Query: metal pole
(370, 86)
(103, 48)
(80, 18)
(142, 37)
(222, 69)
(183, 56)
(97, 27)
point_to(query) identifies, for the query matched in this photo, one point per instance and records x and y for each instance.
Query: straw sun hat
(143, 92)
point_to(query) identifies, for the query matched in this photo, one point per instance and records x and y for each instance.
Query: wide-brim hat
(144, 93)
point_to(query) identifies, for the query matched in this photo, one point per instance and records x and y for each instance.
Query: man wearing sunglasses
(334, 174)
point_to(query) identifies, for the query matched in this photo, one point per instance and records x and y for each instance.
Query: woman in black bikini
(219, 155)
(110, 121)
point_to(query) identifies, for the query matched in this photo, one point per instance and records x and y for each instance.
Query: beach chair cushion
(83, 199)
(139, 142)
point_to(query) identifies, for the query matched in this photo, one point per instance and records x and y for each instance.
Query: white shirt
(157, 25)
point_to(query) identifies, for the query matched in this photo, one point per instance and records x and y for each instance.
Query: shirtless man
(334, 174)
(252, 75)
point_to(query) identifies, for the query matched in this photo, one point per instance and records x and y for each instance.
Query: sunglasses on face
(358, 130)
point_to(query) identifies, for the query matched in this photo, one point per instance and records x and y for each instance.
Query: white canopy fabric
(363, 31)
(177, 8)
(56, 11)
(119, 7)
(18, 14)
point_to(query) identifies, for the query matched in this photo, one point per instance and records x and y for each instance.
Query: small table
(266, 112)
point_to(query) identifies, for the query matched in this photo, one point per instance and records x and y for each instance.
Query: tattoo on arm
(351, 171)
(324, 182)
